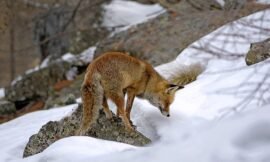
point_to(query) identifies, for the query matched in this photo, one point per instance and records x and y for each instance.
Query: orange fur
(114, 74)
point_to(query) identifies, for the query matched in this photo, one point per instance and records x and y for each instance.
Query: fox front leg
(120, 103)
(130, 99)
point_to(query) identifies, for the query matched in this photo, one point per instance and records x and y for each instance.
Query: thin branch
(72, 16)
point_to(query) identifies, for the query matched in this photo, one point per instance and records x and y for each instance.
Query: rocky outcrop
(66, 95)
(258, 52)
(104, 129)
(41, 83)
(7, 107)
(161, 39)
(61, 100)
(37, 84)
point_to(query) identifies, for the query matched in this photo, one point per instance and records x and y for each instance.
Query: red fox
(114, 74)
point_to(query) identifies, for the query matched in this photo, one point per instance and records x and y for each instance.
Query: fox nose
(165, 113)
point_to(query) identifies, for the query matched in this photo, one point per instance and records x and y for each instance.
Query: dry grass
(186, 74)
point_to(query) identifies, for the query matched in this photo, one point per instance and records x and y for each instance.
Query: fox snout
(165, 113)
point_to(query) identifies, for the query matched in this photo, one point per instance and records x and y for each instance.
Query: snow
(209, 121)
(68, 57)
(87, 55)
(221, 2)
(210, 141)
(15, 134)
(45, 62)
(121, 13)
(2, 93)
(263, 1)
(72, 73)
(85, 145)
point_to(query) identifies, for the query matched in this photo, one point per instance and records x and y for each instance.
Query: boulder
(7, 107)
(42, 83)
(62, 100)
(37, 84)
(258, 52)
(106, 129)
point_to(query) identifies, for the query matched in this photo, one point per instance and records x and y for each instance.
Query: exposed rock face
(56, 101)
(258, 52)
(57, 84)
(38, 83)
(42, 83)
(67, 95)
(104, 129)
(7, 107)
(161, 39)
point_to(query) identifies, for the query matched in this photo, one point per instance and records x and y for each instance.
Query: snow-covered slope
(15, 134)
(196, 131)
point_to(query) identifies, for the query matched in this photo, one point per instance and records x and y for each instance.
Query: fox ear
(173, 88)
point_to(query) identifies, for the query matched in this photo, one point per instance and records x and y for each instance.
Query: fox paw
(109, 115)
(80, 132)
(129, 128)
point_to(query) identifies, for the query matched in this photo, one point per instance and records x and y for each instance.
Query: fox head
(163, 96)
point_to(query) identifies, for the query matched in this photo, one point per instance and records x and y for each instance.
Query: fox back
(116, 70)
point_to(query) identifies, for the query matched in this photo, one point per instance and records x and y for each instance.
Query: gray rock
(66, 95)
(113, 130)
(258, 52)
(37, 84)
(7, 107)
(40, 84)
(61, 100)
(161, 39)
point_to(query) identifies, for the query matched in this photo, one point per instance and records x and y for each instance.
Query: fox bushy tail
(186, 74)
(92, 97)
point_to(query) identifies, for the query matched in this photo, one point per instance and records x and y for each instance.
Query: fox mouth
(164, 112)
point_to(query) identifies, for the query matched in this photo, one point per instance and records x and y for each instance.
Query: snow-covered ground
(2, 92)
(221, 2)
(207, 124)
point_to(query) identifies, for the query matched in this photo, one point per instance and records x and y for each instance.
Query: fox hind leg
(87, 100)
(92, 101)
